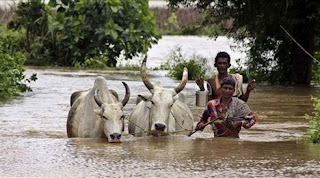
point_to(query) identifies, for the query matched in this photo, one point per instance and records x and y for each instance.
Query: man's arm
(200, 82)
(206, 114)
(251, 86)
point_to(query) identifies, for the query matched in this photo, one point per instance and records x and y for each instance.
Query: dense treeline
(181, 21)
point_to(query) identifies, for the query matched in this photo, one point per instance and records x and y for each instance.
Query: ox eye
(122, 117)
(152, 102)
(171, 105)
(104, 117)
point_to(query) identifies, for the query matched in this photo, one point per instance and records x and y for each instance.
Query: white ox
(97, 113)
(162, 113)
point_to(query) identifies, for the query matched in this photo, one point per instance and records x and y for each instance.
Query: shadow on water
(34, 141)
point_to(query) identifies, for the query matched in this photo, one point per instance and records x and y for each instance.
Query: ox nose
(160, 127)
(115, 136)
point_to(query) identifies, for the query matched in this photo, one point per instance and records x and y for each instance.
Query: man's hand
(251, 85)
(248, 122)
(200, 82)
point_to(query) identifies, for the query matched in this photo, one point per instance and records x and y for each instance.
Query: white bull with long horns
(162, 113)
(97, 113)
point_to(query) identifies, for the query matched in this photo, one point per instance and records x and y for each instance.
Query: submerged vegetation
(313, 133)
(196, 65)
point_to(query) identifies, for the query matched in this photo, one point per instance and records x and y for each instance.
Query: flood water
(34, 142)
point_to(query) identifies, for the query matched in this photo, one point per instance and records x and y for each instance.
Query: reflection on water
(34, 142)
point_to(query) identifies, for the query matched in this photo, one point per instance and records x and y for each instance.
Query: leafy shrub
(176, 64)
(313, 133)
(243, 71)
(316, 68)
(85, 29)
(195, 70)
(93, 63)
(12, 79)
(81, 30)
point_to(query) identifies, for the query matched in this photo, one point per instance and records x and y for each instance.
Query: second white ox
(162, 112)
(97, 113)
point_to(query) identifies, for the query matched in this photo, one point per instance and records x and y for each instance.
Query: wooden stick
(197, 129)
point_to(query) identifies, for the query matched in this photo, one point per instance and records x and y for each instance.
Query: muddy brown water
(34, 142)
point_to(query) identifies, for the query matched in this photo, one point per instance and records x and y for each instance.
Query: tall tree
(89, 28)
(261, 25)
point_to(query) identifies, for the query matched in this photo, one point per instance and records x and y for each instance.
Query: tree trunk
(302, 62)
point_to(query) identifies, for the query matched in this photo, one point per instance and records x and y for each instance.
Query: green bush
(93, 63)
(12, 79)
(316, 68)
(177, 62)
(81, 31)
(313, 133)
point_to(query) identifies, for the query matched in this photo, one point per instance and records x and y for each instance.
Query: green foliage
(82, 30)
(316, 63)
(12, 79)
(32, 16)
(171, 23)
(177, 62)
(93, 63)
(257, 24)
(313, 133)
(241, 70)
(89, 28)
(198, 28)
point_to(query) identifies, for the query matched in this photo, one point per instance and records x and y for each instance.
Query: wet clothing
(227, 122)
(214, 87)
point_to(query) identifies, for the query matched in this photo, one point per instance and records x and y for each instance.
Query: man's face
(222, 65)
(227, 90)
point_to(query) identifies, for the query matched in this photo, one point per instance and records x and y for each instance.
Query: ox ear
(98, 111)
(175, 97)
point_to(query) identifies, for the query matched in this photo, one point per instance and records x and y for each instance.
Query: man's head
(222, 62)
(228, 86)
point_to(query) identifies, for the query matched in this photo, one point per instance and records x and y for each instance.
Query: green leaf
(52, 3)
(114, 34)
(114, 9)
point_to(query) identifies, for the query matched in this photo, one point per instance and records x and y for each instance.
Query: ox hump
(100, 83)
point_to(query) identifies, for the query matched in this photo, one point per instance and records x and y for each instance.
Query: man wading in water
(228, 114)
(222, 63)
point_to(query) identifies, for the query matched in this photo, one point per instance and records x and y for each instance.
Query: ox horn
(183, 81)
(98, 101)
(127, 96)
(144, 77)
